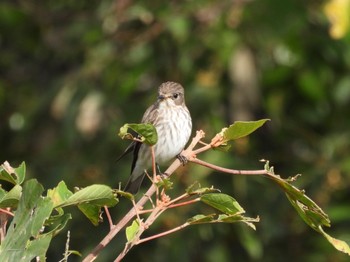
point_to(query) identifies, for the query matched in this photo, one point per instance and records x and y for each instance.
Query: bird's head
(171, 93)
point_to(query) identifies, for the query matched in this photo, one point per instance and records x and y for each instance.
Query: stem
(153, 162)
(109, 218)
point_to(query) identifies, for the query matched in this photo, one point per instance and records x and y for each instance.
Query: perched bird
(173, 123)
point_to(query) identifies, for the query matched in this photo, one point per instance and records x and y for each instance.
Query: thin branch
(179, 198)
(184, 203)
(228, 170)
(202, 149)
(163, 233)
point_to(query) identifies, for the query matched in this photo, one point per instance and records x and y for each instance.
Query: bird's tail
(133, 186)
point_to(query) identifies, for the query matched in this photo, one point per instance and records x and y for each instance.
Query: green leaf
(11, 198)
(100, 195)
(223, 203)
(241, 129)
(147, 132)
(26, 226)
(131, 231)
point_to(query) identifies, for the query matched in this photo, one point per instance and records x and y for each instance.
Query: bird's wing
(135, 154)
(150, 114)
(129, 149)
(133, 147)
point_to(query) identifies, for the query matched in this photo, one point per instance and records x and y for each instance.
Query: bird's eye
(176, 95)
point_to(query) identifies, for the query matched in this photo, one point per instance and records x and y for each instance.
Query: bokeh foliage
(73, 72)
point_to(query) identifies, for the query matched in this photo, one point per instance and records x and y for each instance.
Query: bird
(172, 120)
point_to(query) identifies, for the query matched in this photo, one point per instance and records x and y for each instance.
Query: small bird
(173, 123)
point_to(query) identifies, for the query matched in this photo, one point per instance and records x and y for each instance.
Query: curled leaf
(147, 133)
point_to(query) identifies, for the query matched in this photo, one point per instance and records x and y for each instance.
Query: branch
(228, 170)
(132, 212)
(164, 233)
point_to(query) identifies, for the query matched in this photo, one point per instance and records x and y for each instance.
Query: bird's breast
(174, 129)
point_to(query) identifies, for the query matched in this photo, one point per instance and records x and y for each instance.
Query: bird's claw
(182, 159)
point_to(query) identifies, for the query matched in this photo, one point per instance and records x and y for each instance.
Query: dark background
(73, 72)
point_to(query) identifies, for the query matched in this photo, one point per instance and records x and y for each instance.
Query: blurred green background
(73, 72)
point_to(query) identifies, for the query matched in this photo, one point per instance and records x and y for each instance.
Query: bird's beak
(162, 97)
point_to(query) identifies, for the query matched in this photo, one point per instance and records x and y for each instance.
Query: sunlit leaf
(241, 129)
(100, 195)
(131, 231)
(12, 175)
(59, 194)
